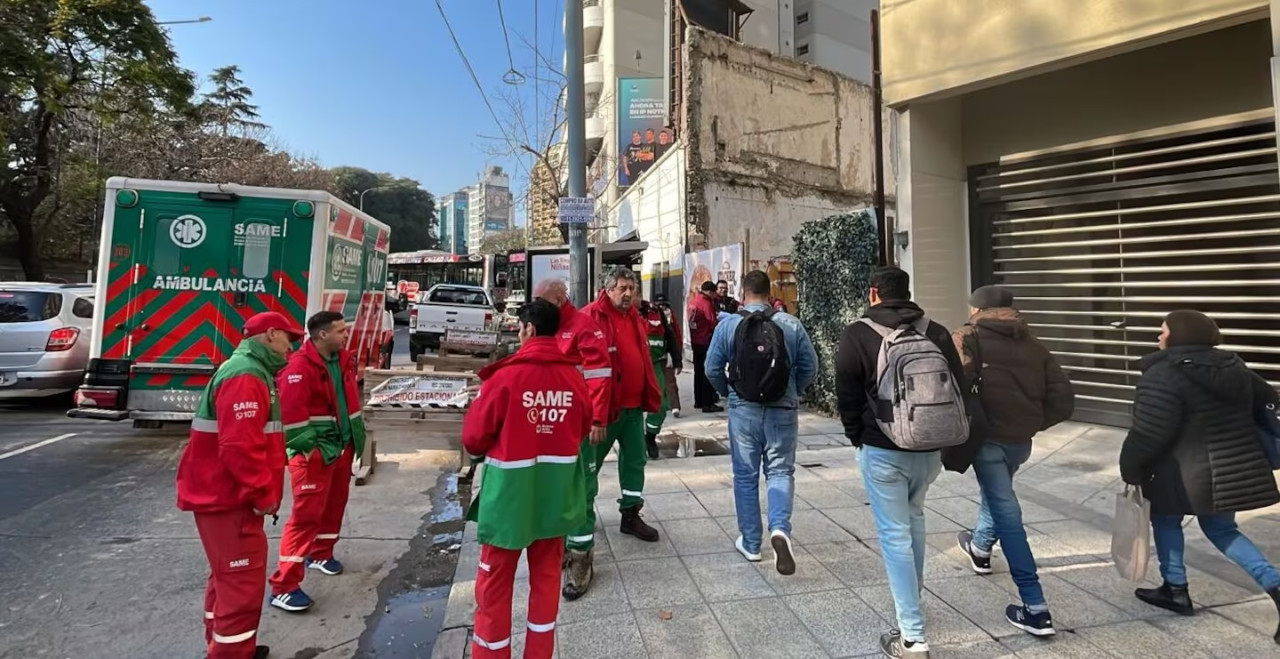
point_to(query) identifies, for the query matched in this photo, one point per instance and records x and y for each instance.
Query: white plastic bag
(1131, 534)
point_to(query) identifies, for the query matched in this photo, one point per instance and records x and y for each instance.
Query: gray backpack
(917, 400)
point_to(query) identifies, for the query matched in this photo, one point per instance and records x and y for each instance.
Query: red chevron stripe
(383, 243)
(120, 284)
(138, 302)
(343, 224)
(357, 230)
(292, 290)
(160, 347)
(159, 380)
(172, 308)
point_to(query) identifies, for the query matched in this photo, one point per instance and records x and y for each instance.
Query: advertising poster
(497, 208)
(545, 266)
(712, 265)
(641, 135)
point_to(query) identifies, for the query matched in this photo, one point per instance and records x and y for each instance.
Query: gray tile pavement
(691, 595)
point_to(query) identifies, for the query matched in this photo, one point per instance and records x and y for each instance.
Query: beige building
(1109, 160)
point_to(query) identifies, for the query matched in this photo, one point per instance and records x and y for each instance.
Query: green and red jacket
(662, 338)
(615, 325)
(235, 458)
(528, 422)
(314, 416)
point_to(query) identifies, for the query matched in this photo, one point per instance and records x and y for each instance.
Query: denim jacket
(804, 361)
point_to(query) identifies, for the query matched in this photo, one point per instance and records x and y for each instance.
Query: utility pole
(576, 124)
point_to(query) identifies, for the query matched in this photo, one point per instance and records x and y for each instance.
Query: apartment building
(1108, 160)
(835, 35)
(490, 207)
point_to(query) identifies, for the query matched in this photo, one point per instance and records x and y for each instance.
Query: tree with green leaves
(400, 203)
(61, 60)
(227, 107)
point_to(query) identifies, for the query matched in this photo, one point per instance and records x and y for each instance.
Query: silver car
(45, 333)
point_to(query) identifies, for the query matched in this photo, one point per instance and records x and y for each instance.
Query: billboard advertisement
(497, 208)
(546, 266)
(642, 138)
(712, 265)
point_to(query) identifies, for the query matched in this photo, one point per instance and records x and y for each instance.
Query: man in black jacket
(1023, 391)
(896, 479)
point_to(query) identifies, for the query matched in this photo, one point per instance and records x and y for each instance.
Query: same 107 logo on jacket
(545, 409)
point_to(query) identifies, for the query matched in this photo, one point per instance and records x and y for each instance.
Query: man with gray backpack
(900, 394)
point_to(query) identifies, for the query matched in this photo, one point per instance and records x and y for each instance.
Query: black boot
(651, 446)
(1275, 597)
(633, 525)
(261, 652)
(1168, 597)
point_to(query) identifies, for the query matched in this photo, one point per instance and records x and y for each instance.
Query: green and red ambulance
(182, 265)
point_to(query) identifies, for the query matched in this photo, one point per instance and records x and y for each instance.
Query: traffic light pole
(577, 144)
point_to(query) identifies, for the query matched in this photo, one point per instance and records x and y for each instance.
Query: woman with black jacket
(1194, 449)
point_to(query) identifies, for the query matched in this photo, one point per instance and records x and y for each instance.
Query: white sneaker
(783, 559)
(754, 558)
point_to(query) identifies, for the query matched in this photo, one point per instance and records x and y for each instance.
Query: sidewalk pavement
(692, 596)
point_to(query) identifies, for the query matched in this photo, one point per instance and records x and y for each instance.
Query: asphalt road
(96, 558)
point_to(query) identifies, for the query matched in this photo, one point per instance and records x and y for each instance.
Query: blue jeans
(1000, 515)
(762, 436)
(896, 483)
(1222, 531)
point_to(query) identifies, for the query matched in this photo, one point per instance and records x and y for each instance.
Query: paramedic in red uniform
(231, 475)
(324, 431)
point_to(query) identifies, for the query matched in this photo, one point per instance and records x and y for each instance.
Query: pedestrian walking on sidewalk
(664, 349)
(725, 302)
(324, 431)
(1194, 449)
(702, 325)
(527, 423)
(1022, 390)
(898, 393)
(762, 360)
(634, 392)
(231, 475)
(671, 389)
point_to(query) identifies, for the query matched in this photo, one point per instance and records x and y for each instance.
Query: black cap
(991, 297)
(660, 298)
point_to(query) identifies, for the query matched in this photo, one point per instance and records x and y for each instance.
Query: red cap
(269, 320)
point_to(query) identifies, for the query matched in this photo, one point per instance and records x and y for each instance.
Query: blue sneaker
(295, 601)
(331, 567)
(1036, 624)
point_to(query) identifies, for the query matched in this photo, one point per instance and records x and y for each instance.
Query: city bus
(409, 273)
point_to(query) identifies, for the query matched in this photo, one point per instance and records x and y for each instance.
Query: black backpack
(760, 369)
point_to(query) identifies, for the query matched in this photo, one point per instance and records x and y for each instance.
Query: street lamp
(202, 19)
(362, 193)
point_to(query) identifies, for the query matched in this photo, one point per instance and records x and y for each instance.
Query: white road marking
(51, 440)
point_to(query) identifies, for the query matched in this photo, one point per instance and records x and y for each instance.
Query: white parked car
(44, 337)
(445, 307)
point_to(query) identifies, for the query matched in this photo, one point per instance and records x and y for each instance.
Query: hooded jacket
(1194, 445)
(235, 458)
(310, 407)
(528, 422)
(1024, 389)
(609, 321)
(857, 359)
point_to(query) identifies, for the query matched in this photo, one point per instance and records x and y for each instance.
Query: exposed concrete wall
(654, 207)
(942, 47)
(772, 141)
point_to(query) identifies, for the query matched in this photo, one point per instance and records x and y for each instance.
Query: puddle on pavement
(669, 445)
(413, 597)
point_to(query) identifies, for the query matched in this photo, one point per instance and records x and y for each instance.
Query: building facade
(1108, 160)
(490, 209)
(451, 214)
(835, 35)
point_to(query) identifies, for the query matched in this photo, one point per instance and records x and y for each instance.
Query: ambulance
(182, 265)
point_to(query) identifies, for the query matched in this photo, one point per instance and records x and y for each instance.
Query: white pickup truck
(445, 307)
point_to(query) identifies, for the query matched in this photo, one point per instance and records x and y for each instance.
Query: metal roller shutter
(1099, 244)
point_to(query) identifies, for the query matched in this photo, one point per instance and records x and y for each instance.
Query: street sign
(577, 210)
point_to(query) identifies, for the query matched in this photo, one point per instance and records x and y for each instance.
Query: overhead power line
(467, 63)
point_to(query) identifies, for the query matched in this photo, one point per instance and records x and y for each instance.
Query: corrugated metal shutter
(1099, 244)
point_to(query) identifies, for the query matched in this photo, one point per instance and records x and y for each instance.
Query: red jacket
(235, 457)
(501, 424)
(581, 339)
(702, 319)
(605, 315)
(309, 403)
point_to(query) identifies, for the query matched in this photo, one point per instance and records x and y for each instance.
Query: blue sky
(374, 84)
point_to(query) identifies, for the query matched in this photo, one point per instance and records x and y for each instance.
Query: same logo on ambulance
(188, 231)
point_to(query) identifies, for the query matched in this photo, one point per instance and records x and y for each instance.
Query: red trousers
(236, 547)
(320, 493)
(494, 584)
